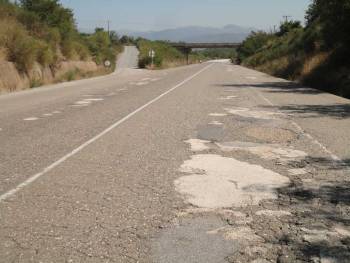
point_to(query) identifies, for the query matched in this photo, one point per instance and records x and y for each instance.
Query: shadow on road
(340, 111)
(320, 207)
(278, 87)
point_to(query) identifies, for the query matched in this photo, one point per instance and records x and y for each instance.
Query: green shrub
(21, 48)
(68, 49)
(82, 51)
(164, 53)
(46, 55)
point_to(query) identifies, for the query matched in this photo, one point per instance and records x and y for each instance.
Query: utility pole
(286, 18)
(108, 22)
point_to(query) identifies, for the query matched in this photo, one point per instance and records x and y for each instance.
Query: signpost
(152, 54)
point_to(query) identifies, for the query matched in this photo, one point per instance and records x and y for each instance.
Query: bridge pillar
(187, 52)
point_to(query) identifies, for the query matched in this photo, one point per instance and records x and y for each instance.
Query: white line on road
(35, 177)
(31, 119)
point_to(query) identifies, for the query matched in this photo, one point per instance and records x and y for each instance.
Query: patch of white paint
(245, 112)
(198, 145)
(217, 123)
(146, 79)
(94, 99)
(271, 213)
(47, 114)
(82, 102)
(155, 79)
(217, 114)
(31, 119)
(125, 89)
(219, 182)
(228, 98)
(142, 83)
(265, 151)
(298, 171)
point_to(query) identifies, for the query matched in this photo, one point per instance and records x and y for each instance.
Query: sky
(144, 15)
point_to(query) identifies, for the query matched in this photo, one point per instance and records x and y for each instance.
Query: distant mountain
(229, 33)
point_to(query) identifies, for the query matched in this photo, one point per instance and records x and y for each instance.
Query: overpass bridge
(187, 47)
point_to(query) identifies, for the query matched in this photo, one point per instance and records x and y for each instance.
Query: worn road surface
(203, 163)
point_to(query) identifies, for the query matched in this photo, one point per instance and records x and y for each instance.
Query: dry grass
(313, 62)
(274, 66)
(3, 53)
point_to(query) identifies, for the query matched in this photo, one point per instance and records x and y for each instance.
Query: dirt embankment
(13, 80)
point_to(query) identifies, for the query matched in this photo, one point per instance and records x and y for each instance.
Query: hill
(229, 33)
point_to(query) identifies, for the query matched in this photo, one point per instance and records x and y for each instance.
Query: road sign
(107, 63)
(152, 53)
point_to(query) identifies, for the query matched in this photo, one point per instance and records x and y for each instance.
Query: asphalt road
(202, 163)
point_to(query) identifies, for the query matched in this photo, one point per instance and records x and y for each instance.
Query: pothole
(226, 182)
(270, 134)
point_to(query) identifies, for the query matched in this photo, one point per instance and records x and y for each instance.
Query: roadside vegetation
(216, 53)
(166, 56)
(316, 54)
(44, 32)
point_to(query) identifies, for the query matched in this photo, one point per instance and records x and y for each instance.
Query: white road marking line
(97, 99)
(47, 114)
(217, 123)
(82, 102)
(141, 83)
(334, 157)
(228, 98)
(31, 119)
(35, 177)
(217, 114)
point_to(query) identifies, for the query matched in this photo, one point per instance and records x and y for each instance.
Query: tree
(288, 26)
(334, 18)
(52, 13)
(254, 42)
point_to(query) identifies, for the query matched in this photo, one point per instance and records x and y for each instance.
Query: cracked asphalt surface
(115, 200)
